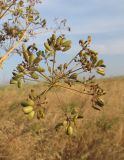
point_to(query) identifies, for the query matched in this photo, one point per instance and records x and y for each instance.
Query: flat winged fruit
(101, 71)
(100, 102)
(37, 60)
(31, 115)
(66, 49)
(69, 130)
(20, 83)
(66, 43)
(28, 103)
(46, 45)
(13, 81)
(73, 76)
(27, 109)
(20, 68)
(40, 69)
(31, 58)
(34, 75)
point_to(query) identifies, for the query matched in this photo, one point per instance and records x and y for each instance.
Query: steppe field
(98, 136)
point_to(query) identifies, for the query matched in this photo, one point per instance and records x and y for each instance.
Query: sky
(103, 20)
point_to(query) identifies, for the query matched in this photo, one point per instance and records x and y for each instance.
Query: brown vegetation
(98, 136)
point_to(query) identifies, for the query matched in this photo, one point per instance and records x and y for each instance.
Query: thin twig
(58, 85)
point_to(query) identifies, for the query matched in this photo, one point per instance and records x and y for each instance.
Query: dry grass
(99, 136)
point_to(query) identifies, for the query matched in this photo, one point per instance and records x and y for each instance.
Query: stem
(75, 56)
(54, 58)
(58, 85)
(4, 57)
(45, 77)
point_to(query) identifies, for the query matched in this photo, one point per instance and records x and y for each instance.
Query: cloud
(115, 46)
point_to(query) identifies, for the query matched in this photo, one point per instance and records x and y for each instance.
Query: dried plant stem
(4, 57)
(72, 89)
(54, 59)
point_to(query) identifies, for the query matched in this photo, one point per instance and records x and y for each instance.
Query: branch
(4, 57)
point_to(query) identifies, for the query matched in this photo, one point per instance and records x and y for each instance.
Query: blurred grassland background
(99, 135)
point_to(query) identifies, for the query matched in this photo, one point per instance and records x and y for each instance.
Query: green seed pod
(20, 83)
(19, 75)
(27, 109)
(99, 63)
(29, 102)
(13, 81)
(37, 60)
(69, 130)
(40, 69)
(31, 58)
(66, 49)
(58, 41)
(101, 71)
(31, 115)
(20, 68)
(25, 53)
(47, 47)
(73, 76)
(49, 69)
(34, 75)
(53, 37)
(66, 43)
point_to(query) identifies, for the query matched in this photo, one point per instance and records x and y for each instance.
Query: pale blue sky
(103, 20)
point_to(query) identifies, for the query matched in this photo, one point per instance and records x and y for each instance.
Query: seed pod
(80, 54)
(20, 83)
(53, 37)
(29, 102)
(99, 63)
(65, 66)
(60, 67)
(66, 49)
(49, 69)
(20, 68)
(58, 41)
(73, 76)
(40, 69)
(89, 39)
(34, 75)
(37, 60)
(13, 81)
(100, 102)
(46, 45)
(69, 130)
(66, 43)
(101, 71)
(25, 53)
(18, 75)
(31, 115)
(40, 114)
(27, 109)
(31, 58)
